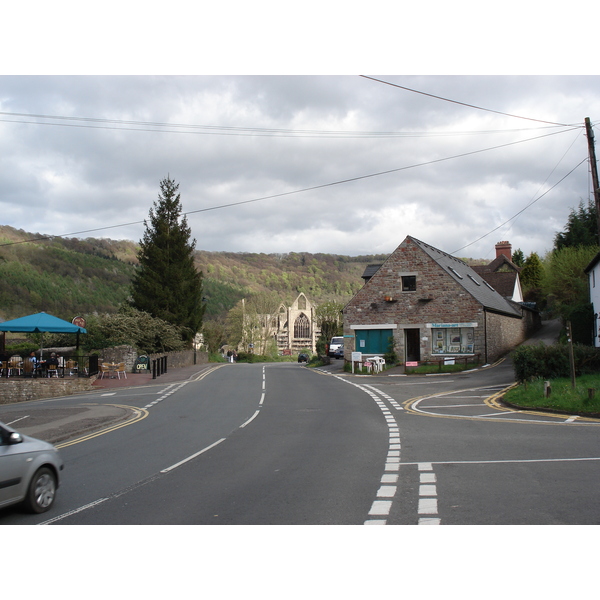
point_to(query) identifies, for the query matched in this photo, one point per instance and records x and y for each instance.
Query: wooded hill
(67, 277)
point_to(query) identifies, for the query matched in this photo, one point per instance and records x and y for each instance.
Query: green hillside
(68, 277)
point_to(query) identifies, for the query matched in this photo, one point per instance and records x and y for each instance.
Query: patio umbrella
(41, 323)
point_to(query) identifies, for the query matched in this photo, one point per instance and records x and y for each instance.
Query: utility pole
(594, 167)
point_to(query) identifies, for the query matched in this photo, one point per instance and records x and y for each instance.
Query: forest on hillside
(68, 276)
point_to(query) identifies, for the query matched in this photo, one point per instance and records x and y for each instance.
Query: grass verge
(563, 397)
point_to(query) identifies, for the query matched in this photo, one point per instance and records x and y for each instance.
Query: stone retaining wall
(21, 390)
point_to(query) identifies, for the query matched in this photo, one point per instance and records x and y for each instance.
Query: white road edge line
(181, 462)
(73, 512)
(250, 419)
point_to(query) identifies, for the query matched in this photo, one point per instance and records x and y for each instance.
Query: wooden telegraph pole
(594, 167)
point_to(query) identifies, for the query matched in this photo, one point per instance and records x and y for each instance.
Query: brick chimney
(504, 248)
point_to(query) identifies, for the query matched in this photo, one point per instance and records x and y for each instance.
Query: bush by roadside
(550, 362)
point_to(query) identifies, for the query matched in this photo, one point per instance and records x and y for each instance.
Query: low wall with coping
(20, 390)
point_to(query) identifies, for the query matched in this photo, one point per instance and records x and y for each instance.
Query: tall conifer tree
(167, 284)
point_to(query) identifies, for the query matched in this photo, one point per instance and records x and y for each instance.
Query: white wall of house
(594, 280)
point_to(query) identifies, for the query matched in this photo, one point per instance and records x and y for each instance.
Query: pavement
(59, 424)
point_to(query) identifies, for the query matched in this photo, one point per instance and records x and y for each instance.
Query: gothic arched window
(302, 327)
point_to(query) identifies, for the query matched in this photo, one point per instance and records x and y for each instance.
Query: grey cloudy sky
(317, 163)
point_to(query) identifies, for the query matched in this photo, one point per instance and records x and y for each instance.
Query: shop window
(453, 340)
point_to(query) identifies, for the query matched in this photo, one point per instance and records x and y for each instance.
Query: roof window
(455, 273)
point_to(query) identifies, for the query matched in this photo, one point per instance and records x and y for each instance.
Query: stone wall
(129, 355)
(184, 358)
(20, 390)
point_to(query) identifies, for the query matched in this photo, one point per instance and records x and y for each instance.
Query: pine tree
(533, 271)
(518, 257)
(166, 283)
(581, 228)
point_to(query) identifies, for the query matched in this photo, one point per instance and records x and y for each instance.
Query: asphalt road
(284, 444)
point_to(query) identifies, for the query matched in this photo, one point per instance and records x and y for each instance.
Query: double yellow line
(138, 415)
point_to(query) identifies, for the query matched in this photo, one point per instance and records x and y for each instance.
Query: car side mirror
(15, 438)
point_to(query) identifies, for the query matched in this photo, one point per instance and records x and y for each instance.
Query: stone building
(432, 305)
(296, 326)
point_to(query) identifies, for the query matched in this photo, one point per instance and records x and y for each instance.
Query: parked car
(339, 352)
(303, 357)
(29, 471)
(336, 343)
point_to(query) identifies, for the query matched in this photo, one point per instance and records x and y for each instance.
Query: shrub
(551, 362)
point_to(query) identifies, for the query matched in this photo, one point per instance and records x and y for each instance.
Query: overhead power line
(308, 189)
(464, 103)
(523, 209)
(191, 129)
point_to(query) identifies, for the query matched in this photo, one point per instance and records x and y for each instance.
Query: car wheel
(42, 491)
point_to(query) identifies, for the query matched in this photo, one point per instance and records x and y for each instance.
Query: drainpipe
(485, 338)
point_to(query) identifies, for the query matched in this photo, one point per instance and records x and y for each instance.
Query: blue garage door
(373, 341)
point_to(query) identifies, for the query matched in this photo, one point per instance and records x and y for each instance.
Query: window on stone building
(302, 327)
(453, 340)
(409, 283)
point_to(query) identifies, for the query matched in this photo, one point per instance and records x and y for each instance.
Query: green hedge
(550, 362)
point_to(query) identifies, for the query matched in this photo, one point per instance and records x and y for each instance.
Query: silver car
(29, 471)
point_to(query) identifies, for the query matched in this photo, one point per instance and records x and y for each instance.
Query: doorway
(412, 345)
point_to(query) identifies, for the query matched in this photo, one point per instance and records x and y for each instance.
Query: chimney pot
(504, 248)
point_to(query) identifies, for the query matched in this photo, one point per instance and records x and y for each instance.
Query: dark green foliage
(214, 335)
(166, 283)
(518, 257)
(51, 276)
(220, 296)
(391, 357)
(581, 228)
(532, 271)
(550, 362)
(582, 322)
(248, 357)
(329, 319)
(131, 327)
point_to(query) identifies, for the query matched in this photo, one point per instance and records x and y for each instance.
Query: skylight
(455, 272)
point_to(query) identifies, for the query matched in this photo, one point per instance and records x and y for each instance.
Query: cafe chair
(104, 369)
(3, 368)
(121, 369)
(52, 370)
(72, 366)
(15, 365)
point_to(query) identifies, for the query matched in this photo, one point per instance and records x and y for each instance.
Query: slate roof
(471, 281)
(370, 270)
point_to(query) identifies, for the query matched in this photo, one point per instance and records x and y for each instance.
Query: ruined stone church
(296, 328)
